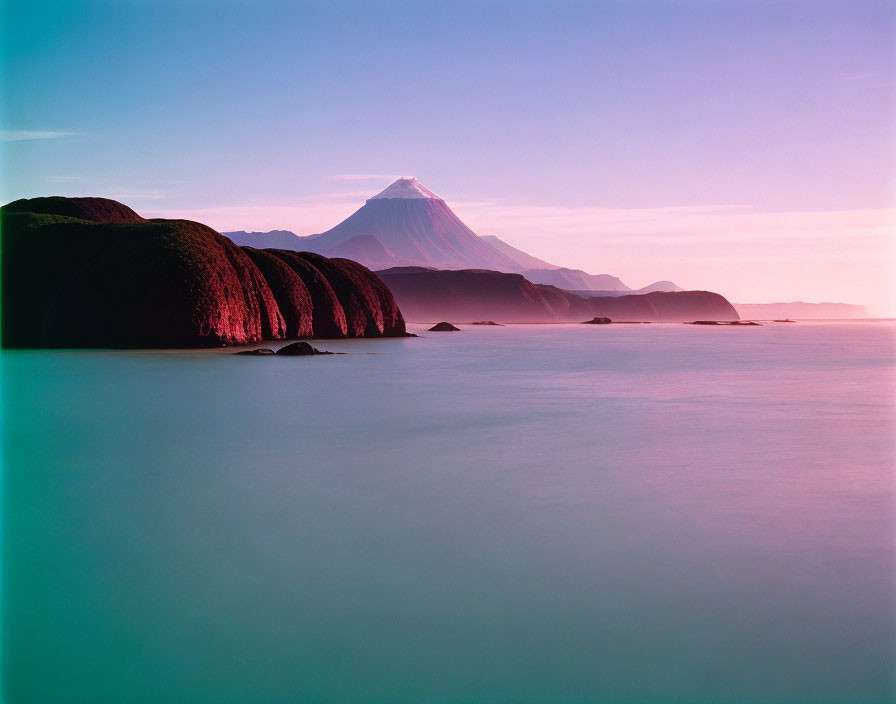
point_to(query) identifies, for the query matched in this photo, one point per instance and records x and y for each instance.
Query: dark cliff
(90, 272)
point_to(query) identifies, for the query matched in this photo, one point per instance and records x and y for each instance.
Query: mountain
(660, 286)
(541, 272)
(466, 295)
(523, 260)
(90, 272)
(367, 249)
(798, 309)
(414, 225)
(409, 225)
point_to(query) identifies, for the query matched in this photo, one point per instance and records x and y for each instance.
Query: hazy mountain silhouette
(477, 294)
(409, 225)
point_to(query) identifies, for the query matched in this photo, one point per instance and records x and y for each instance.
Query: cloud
(26, 135)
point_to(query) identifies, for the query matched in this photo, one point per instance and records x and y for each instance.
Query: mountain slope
(525, 261)
(575, 279)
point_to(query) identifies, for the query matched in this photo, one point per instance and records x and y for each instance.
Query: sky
(741, 146)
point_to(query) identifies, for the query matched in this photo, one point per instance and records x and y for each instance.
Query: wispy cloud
(363, 177)
(26, 135)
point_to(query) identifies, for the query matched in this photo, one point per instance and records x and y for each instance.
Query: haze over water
(552, 513)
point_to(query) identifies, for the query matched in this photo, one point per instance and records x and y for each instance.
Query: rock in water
(486, 322)
(444, 327)
(299, 349)
(256, 353)
(598, 321)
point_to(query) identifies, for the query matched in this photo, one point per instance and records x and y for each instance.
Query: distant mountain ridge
(476, 294)
(281, 239)
(407, 224)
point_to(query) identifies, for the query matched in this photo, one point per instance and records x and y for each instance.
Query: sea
(526, 513)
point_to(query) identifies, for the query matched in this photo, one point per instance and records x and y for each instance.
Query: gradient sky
(746, 147)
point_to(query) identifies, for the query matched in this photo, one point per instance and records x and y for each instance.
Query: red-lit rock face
(375, 290)
(363, 315)
(328, 317)
(289, 291)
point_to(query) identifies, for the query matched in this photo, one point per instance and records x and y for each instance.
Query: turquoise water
(632, 513)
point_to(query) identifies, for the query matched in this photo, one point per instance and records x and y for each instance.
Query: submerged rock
(256, 353)
(598, 321)
(299, 349)
(486, 322)
(444, 327)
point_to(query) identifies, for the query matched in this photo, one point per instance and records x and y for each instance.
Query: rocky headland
(90, 272)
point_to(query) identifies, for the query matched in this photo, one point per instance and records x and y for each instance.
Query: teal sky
(544, 123)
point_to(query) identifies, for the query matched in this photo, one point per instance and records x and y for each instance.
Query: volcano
(409, 225)
(413, 226)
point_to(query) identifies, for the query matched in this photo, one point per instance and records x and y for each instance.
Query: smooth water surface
(565, 513)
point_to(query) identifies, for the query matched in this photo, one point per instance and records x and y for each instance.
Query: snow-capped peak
(406, 188)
